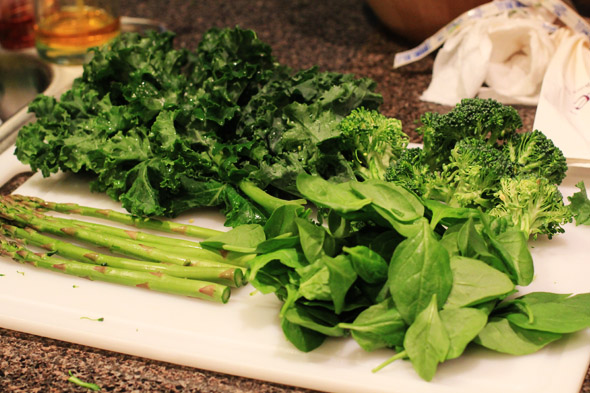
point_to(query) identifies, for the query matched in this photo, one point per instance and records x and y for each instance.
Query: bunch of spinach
(163, 130)
(395, 271)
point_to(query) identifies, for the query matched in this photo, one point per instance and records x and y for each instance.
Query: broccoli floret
(372, 142)
(534, 154)
(535, 205)
(410, 171)
(472, 175)
(484, 119)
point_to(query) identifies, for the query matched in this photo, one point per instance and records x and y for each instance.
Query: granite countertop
(336, 35)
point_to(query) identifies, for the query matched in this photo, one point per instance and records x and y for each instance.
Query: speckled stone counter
(336, 35)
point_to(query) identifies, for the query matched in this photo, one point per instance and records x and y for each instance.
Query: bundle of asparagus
(140, 259)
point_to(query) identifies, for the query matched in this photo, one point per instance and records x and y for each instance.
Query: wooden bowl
(417, 20)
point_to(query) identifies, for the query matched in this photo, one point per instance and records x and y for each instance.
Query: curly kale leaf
(164, 130)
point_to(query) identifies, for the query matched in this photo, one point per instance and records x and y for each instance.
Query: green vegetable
(159, 263)
(580, 205)
(100, 319)
(410, 249)
(108, 214)
(534, 205)
(410, 170)
(548, 312)
(471, 176)
(532, 153)
(502, 336)
(474, 157)
(92, 386)
(165, 130)
(378, 326)
(231, 276)
(157, 282)
(373, 141)
(483, 119)
(419, 269)
(436, 290)
(475, 282)
(462, 325)
(121, 245)
(427, 342)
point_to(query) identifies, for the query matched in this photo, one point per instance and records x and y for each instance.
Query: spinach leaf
(475, 282)
(315, 281)
(271, 272)
(502, 336)
(320, 321)
(244, 238)
(471, 243)
(277, 243)
(419, 269)
(342, 276)
(304, 339)
(580, 205)
(369, 265)
(323, 193)
(427, 342)
(445, 214)
(512, 248)
(462, 326)
(552, 312)
(282, 221)
(378, 326)
(312, 238)
(398, 202)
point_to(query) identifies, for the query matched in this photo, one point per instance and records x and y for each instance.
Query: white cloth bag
(563, 111)
(502, 57)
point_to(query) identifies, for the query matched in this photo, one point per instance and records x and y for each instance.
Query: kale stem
(268, 202)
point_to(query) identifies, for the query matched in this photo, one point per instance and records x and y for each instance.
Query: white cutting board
(243, 337)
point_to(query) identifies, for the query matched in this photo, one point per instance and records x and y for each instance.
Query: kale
(163, 130)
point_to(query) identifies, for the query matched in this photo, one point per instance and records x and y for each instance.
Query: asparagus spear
(123, 218)
(228, 276)
(157, 282)
(190, 249)
(113, 243)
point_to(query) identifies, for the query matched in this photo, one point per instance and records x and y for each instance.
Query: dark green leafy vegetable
(427, 342)
(462, 325)
(164, 130)
(550, 312)
(502, 336)
(475, 282)
(580, 205)
(436, 290)
(378, 326)
(418, 270)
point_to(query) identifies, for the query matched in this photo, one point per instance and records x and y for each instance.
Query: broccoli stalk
(534, 205)
(372, 141)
